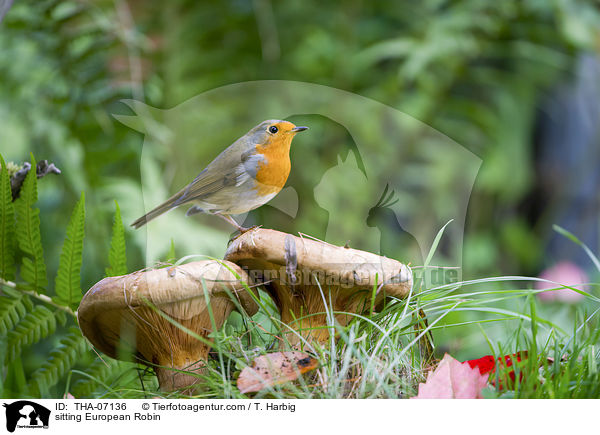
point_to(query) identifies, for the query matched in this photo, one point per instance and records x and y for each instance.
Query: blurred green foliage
(474, 70)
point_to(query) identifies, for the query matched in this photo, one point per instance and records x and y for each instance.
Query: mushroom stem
(183, 377)
(307, 314)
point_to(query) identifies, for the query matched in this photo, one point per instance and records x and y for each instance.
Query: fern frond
(34, 326)
(59, 363)
(68, 289)
(33, 269)
(116, 257)
(13, 307)
(7, 226)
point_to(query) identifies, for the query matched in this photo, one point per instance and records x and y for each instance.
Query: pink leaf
(453, 380)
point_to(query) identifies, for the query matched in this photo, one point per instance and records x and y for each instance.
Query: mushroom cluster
(163, 316)
(149, 313)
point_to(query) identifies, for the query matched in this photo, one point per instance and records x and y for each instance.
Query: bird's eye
(273, 129)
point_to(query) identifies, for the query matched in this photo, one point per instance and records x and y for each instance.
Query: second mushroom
(308, 278)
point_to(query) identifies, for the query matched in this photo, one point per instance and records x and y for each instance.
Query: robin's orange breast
(273, 170)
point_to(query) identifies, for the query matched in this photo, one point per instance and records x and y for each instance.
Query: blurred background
(514, 85)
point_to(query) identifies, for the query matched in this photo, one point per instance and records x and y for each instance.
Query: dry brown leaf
(274, 368)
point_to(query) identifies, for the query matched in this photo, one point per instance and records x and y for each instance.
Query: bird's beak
(297, 129)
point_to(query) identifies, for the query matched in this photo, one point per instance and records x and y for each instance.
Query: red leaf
(487, 364)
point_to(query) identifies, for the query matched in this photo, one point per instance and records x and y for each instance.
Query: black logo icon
(26, 414)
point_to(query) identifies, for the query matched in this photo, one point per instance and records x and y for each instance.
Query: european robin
(246, 175)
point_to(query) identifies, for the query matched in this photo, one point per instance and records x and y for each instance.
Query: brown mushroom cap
(117, 313)
(295, 269)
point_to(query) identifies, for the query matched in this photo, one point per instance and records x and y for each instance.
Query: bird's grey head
(271, 128)
(261, 133)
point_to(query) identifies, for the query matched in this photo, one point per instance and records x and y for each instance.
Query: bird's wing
(216, 177)
(232, 168)
(208, 182)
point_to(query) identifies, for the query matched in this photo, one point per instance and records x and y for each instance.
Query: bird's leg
(229, 219)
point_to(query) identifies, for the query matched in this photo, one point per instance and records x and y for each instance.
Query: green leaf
(33, 269)
(68, 289)
(15, 381)
(117, 256)
(7, 226)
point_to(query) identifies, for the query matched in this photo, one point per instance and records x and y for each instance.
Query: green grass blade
(171, 257)
(574, 239)
(7, 226)
(68, 281)
(33, 269)
(117, 258)
(421, 278)
(435, 244)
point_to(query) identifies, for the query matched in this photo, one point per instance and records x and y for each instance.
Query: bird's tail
(170, 203)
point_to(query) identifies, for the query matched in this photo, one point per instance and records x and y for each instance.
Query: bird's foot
(242, 230)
